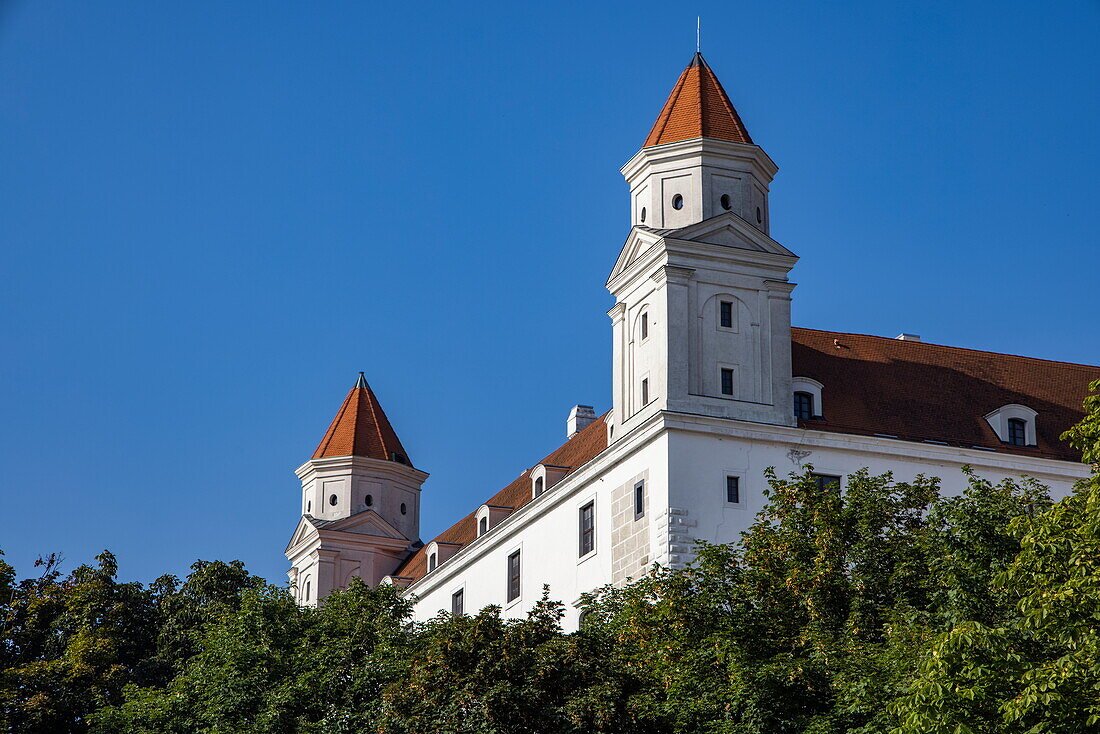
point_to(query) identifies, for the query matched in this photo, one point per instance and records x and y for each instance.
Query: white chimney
(908, 337)
(580, 417)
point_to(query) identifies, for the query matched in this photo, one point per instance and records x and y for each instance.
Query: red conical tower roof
(361, 428)
(698, 108)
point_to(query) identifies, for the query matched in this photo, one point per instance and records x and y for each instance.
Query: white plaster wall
(699, 463)
(546, 533)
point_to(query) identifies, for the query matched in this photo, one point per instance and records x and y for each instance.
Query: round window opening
(759, 218)
(404, 510)
(333, 499)
(643, 213)
(677, 202)
(369, 501)
(726, 202)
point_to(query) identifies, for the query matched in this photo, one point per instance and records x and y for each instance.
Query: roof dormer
(438, 552)
(807, 398)
(545, 476)
(1014, 424)
(489, 516)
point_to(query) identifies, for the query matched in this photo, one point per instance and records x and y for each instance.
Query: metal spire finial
(698, 34)
(362, 381)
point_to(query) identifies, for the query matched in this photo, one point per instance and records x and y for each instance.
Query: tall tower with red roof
(360, 502)
(702, 320)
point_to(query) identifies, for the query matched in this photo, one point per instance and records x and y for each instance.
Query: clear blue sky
(212, 215)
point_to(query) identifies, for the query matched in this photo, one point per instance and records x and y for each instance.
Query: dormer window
(540, 486)
(1017, 432)
(1014, 424)
(807, 398)
(803, 406)
(482, 526)
(433, 561)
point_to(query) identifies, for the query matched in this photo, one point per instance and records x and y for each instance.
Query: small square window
(587, 529)
(513, 576)
(645, 325)
(733, 490)
(645, 391)
(727, 381)
(639, 500)
(725, 314)
(457, 602)
(826, 481)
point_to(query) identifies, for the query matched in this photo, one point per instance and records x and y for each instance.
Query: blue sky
(212, 215)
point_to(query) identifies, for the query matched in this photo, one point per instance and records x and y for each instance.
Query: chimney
(580, 417)
(908, 337)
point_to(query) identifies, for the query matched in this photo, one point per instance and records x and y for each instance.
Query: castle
(711, 386)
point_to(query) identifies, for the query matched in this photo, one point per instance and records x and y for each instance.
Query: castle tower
(360, 502)
(702, 315)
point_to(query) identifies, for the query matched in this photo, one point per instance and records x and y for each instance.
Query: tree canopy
(883, 608)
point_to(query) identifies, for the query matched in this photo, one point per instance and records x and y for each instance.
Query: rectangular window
(456, 603)
(639, 500)
(513, 576)
(588, 529)
(824, 481)
(733, 490)
(803, 405)
(727, 381)
(1017, 432)
(645, 325)
(645, 391)
(725, 314)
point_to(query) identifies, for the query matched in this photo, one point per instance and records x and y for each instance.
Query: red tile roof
(920, 391)
(574, 453)
(361, 428)
(698, 107)
(875, 385)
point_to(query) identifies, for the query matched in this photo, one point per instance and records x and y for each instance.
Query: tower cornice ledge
(378, 466)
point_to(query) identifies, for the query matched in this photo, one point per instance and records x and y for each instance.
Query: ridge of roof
(698, 107)
(361, 428)
(947, 346)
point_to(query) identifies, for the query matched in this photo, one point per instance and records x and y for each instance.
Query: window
(725, 314)
(456, 603)
(307, 590)
(803, 405)
(333, 499)
(482, 526)
(588, 529)
(645, 325)
(677, 202)
(583, 617)
(539, 484)
(826, 481)
(727, 381)
(309, 506)
(759, 218)
(404, 510)
(399, 458)
(643, 213)
(639, 500)
(369, 501)
(1017, 432)
(433, 561)
(733, 490)
(645, 391)
(726, 202)
(513, 576)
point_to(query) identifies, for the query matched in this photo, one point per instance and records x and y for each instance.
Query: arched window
(539, 484)
(482, 526)
(433, 561)
(1017, 432)
(369, 501)
(333, 499)
(803, 405)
